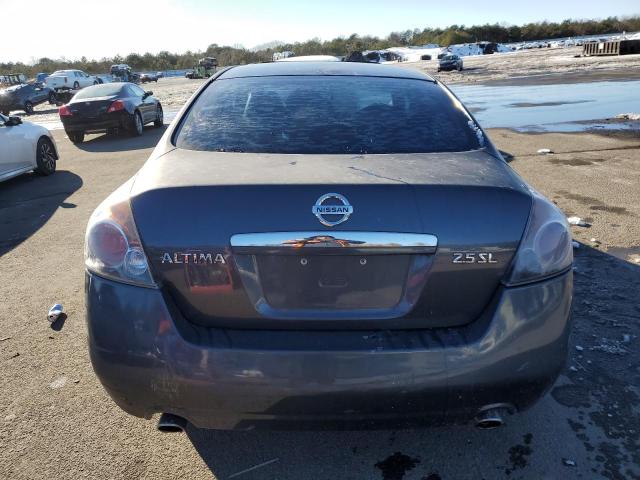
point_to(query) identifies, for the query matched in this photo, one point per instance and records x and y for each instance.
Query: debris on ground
(612, 347)
(545, 151)
(55, 312)
(3, 339)
(568, 463)
(577, 221)
(58, 382)
(579, 348)
(629, 116)
(264, 464)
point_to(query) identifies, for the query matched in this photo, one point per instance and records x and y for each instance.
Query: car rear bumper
(152, 360)
(97, 124)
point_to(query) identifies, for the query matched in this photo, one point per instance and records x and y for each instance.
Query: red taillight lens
(112, 245)
(109, 244)
(116, 106)
(64, 111)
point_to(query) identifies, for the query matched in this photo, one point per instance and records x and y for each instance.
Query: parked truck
(123, 73)
(205, 68)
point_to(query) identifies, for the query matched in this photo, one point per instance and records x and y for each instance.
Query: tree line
(235, 55)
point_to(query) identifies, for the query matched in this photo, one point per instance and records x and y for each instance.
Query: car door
(147, 106)
(37, 94)
(87, 79)
(16, 151)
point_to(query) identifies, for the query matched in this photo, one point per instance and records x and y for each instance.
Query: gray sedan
(321, 243)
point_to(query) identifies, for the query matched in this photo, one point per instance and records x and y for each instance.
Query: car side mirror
(147, 94)
(13, 121)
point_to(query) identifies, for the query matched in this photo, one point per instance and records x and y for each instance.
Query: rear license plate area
(335, 282)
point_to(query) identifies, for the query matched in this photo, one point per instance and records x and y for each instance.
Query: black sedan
(148, 78)
(110, 108)
(326, 243)
(25, 97)
(450, 62)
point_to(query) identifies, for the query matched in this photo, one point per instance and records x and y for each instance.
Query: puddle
(559, 108)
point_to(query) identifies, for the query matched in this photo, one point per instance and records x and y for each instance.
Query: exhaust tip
(489, 423)
(170, 423)
(492, 416)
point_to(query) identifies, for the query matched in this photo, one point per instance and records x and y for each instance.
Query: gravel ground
(536, 66)
(56, 421)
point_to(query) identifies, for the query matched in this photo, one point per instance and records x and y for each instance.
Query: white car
(73, 79)
(25, 147)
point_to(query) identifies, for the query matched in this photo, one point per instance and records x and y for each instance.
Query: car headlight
(545, 249)
(112, 246)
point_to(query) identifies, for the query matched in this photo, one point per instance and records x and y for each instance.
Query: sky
(103, 28)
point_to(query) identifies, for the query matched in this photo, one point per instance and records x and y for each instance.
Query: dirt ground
(536, 66)
(56, 421)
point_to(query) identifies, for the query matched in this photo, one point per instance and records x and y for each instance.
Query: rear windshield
(327, 115)
(106, 90)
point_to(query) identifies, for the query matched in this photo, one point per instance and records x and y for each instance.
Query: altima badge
(336, 212)
(193, 257)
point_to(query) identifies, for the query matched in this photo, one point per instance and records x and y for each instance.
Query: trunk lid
(91, 107)
(234, 240)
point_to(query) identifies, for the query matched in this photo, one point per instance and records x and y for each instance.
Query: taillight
(116, 106)
(64, 111)
(546, 248)
(112, 245)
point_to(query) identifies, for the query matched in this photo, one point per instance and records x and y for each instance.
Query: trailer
(611, 47)
(12, 79)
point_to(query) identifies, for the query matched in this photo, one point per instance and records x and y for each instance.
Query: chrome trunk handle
(333, 243)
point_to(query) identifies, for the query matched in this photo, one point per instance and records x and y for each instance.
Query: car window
(104, 90)
(137, 91)
(327, 115)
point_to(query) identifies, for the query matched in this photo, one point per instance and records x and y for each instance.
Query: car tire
(76, 137)
(28, 108)
(45, 157)
(137, 126)
(459, 68)
(76, 85)
(52, 98)
(95, 82)
(159, 121)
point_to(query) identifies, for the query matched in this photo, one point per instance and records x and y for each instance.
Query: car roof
(322, 68)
